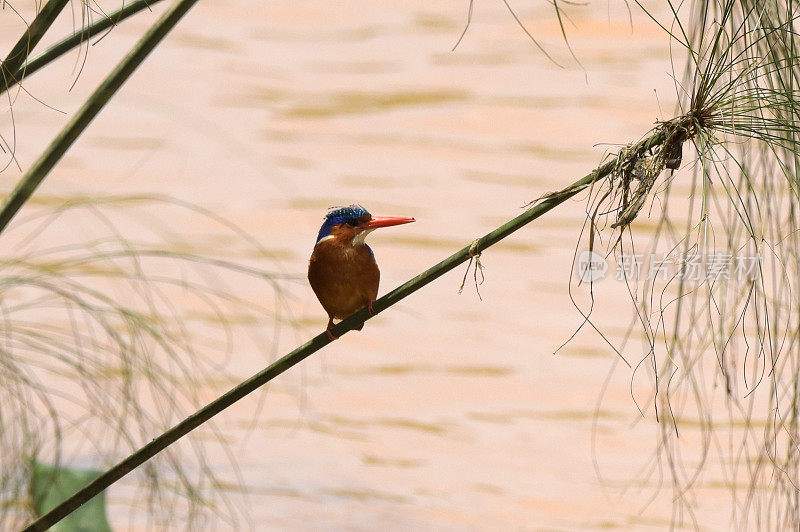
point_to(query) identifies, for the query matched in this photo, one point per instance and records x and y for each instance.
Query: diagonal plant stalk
(70, 42)
(550, 201)
(36, 174)
(19, 54)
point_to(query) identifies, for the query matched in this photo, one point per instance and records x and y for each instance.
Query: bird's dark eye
(352, 222)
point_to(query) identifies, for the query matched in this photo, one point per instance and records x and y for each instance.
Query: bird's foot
(329, 332)
(371, 313)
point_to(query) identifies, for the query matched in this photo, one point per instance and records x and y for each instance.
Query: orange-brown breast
(345, 278)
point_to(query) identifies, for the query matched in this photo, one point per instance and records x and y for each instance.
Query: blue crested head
(341, 215)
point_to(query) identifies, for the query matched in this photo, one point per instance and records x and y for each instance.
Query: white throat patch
(358, 240)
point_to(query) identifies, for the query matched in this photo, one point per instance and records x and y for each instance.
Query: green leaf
(50, 485)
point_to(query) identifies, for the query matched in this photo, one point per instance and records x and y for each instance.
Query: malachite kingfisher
(342, 270)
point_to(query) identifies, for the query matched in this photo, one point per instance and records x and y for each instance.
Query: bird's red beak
(385, 221)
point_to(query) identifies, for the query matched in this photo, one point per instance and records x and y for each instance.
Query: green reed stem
(70, 42)
(19, 54)
(36, 174)
(321, 340)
